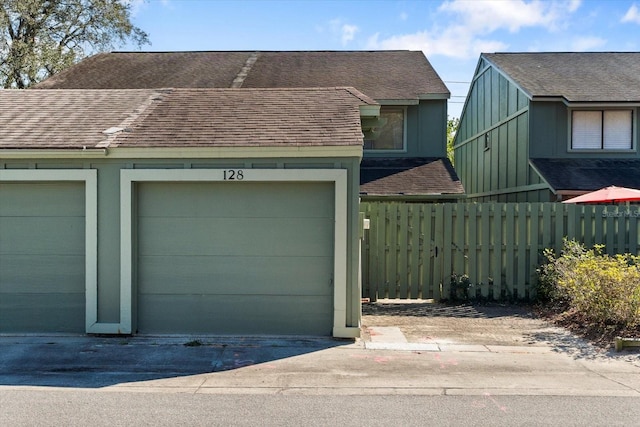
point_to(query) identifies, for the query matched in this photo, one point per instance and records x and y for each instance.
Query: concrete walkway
(387, 364)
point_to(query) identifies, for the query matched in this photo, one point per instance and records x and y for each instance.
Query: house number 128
(233, 175)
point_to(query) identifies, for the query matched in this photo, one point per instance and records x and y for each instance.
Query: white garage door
(241, 258)
(42, 257)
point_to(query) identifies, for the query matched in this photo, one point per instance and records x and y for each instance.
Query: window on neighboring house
(390, 135)
(602, 130)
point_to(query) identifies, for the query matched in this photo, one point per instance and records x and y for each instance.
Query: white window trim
(634, 127)
(404, 132)
(337, 176)
(90, 179)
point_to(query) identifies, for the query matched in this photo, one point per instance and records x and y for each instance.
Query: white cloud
(346, 32)
(474, 24)
(582, 44)
(447, 43)
(491, 15)
(632, 15)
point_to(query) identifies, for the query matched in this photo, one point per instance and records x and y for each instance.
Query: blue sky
(451, 33)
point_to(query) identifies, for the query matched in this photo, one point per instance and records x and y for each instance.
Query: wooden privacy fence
(413, 250)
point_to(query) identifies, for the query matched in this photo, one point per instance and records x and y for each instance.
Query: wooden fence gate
(412, 250)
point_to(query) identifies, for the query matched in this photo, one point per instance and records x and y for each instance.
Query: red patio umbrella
(611, 194)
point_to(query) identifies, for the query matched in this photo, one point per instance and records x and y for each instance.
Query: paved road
(72, 407)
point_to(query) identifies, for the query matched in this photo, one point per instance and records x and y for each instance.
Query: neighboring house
(549, 126)
(404, 149)
(194, 211)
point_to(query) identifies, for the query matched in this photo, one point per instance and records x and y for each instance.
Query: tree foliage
(39, 38)
(452, 128)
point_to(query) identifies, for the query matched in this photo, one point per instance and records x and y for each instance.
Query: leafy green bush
(603, 288)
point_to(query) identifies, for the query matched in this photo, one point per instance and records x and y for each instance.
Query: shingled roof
(577, 77)
(408, 176)
(588, 174)
(382, 75)
(180, 117)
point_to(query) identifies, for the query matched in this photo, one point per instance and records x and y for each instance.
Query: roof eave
(186, 152)
(585, 103)
(434, 96)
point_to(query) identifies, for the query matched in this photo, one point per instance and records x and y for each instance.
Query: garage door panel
(52, 312)
(42, 274)
(236, 236)
(229, 258)
(28, 199)
(235, 275)
(211, 314)
(236, 200)
(42, 235)
(42, 257)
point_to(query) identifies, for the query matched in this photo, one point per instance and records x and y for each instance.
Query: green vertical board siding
(498, 245)
(250, 258)
(495, 106)
(42, 257)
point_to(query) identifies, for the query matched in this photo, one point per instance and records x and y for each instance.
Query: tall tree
(452, 128)
(39, 38)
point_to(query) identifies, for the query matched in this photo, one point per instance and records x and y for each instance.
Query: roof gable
(577, 77)
(383, 75)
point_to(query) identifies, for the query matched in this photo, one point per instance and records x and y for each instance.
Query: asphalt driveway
(424, 349)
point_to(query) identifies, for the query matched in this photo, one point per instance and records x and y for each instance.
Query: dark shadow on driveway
(94, 362)
(433, 309)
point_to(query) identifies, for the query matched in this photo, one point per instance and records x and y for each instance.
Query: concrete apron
(301, 365)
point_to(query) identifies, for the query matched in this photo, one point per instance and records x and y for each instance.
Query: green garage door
(235, 258)
(42, 257)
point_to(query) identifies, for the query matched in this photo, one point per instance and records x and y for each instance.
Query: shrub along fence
(484, 250)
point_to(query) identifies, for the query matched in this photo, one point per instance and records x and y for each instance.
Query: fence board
(485, 248)
(521, 278)
(496, 289)
(429, 252)
(415, 221)
(403, 249)
(411, 250)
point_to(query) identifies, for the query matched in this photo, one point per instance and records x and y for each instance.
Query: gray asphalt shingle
(379, 74)
(181, 117)
(576, 76)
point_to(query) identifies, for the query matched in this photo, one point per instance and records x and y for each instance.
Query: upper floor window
(602, 130)
(390, 136)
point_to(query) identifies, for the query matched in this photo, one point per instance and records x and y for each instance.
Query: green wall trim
(337, 176)
(433, 198)
(532, 187)
(90, 179)
(494, 126)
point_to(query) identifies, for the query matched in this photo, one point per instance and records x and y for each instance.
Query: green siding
(495, 108)
(426, 131)
(550, 134)
(108, 243)
(42, 281)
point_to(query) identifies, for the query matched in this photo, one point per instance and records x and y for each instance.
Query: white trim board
(90, 179)
(231, 176)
